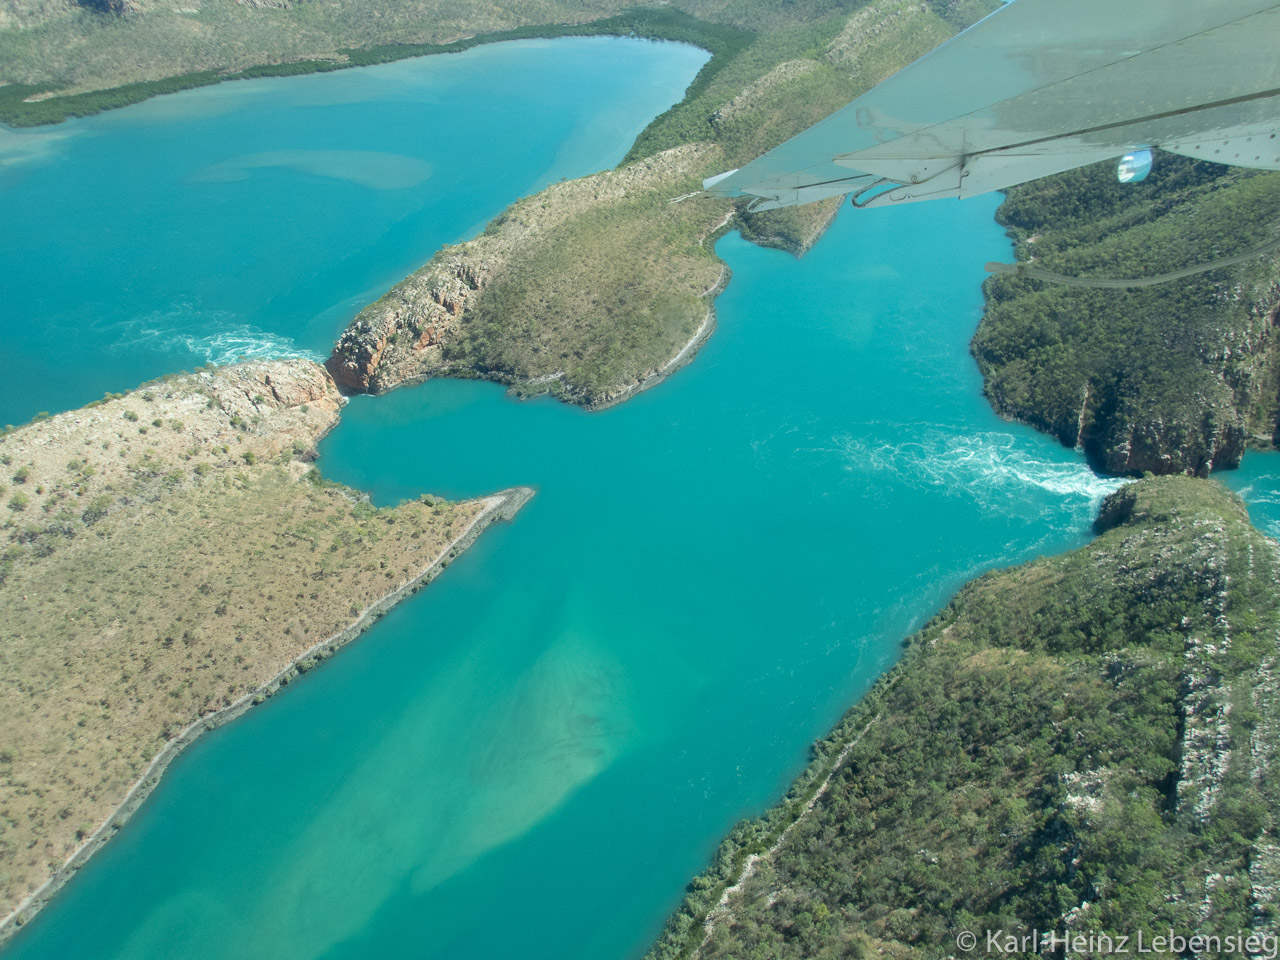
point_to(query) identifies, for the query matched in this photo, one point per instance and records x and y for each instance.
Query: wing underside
(1039, 87)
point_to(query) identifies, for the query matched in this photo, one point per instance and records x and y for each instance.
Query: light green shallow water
(533, 756)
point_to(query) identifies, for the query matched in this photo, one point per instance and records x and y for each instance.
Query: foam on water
(243, 343)
(992, 469)
(214, 337)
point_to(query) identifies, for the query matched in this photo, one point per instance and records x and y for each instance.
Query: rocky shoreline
(1177, 377)
(682, 359)
(430, 324)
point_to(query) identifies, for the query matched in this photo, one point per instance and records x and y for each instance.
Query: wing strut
(1035, 273)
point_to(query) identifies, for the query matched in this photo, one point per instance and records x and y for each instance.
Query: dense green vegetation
(16, 112)
(1040, 747)
(612, 293)
(57, 45)
(1168, 378)
(102, 60)
(747, 109)
(789, 228)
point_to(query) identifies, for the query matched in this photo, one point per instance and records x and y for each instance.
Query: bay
(254, 218)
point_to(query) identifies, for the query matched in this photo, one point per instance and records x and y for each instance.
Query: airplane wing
(1038, 87)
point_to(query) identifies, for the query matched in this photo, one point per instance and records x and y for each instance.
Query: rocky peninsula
(557, 295)
(591, 288)
(171, 557)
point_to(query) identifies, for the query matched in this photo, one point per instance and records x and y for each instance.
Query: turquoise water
(533, 756)
(254, 218)
(1257, 480)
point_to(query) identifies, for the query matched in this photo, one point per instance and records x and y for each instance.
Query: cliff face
(584, 290)
(1175, 378)
(1080, 745)
(401, 336)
